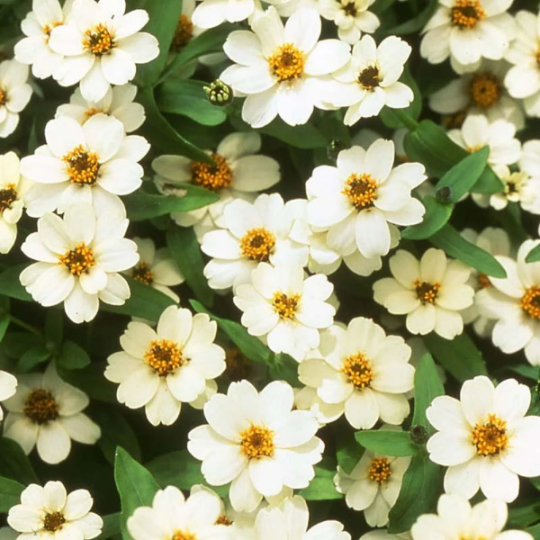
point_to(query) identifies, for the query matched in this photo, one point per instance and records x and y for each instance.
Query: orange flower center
(466, 13)
(287, 63)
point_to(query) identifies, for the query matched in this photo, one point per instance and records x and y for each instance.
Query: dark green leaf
(348, 451)
(111, 526)
(435, 218)
(449, 240)
(10, 284)
(185, 250)
(14, 463)
(523, 516)
(91, 381)
(284, 367)
(526, 370)
(534, 531)
(533, 255)
(415, 24)
(387, 442)
(10, 493)
(54, 325)
(322, 488)
(4, 324)
(488, 182)
(33, 357)
(72, 356)
(15, 344)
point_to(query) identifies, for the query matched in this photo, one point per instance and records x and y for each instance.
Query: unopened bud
(219, 93)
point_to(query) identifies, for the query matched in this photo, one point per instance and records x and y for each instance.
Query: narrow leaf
(10, 284)
(427, 386)
(387, 442)
(533, 255)
(435, 218)
(10, 493)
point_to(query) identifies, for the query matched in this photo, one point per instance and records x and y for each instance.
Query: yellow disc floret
(467, 13)
(82, 166)
(285, 305)
(257, 441)
(98, 40)
(530, 302)
(212, 177)
(361, 190)
(287, 63)
(379, 471)
(163, 356)
(257, 244)
(357, 367)
(78, 260)
(490, 438)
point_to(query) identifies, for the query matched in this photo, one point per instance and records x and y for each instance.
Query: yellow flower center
(349, 7)
(8, 195)
(142, 273)
(53, 521)
(490, 438)
(82, 166)
(513, 185)
(223, 519)
(484, 281)
(379, 471)
(427, 292)
(78, 260)
(92, 112)
(287, 63)
(40, 406)
(3, 97)
(530, 302)
(98, 40)
(183, 535)
(358, 368)
(164, 356)
(285, 306)
(369, 78)
(48, 28)
(485, 90)
(466, 13)
(257, 244)
(257, 442)
(361, 190)
(212, 177)
(183, 34)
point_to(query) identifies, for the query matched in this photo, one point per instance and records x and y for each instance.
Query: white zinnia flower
(307, 399)
(467, 31)
(50, 512)
(173, 516)
(212, 13)
(432, 292)
(13, 189)
(37, 26)
(239, 173)
(8, 387)
(251, 234)
(281, 68)
(364, 371)
(256, 442)
(286, 308)
(102, 45)
(485, 439)
(351, 17)
(289, 521)
(79, 260)
(456, 520)
(163, 368)
(373, 485)
(514, 302)
(93, 164)
(156, 268)
(47, 412)
(477, 131)
(118, 102)
(15, 94)
(362, 199)
(369, 81)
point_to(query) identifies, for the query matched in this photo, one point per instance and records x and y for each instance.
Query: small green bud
(219, 93)
(418, 434)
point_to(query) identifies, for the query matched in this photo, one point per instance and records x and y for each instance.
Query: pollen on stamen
(53, 521)
(82, 166)
(40, 406)
(8, 195)
(379, 471)
(530, 302)
(287, 63)
(361, 190)
(142, 273)
(357, 368)
(3, 97)
(212, 177)
(467, 13)
(99, 40)
(490, 437)
(285, 305)
(78, 260)
(183, 535)
(257, 244)
(426, 292)
(485, 90)
(164, 356)
(257, 441)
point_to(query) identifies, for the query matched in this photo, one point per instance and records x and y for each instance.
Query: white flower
(37, 26)
(286, 308)
(369, 81)
(482, 92)
(280, 68)
(514, 302)
(251, 233)
(8, 386)
(117, 102)
(523, 79)
(50, 512)
(485, 439)
(364, 371)
(289, 521)
(362, 199)
(93, 164)
(156, 268)
(456, 520)
(102, 46)
(212, 13)
(256, 442)
(186, 29)
(467, 31)
(239, 173)
(79, 260)
(432, 292)
(373, 485)
(15, 94)
(13, 189)
(47, 412)
(351, 17)
(161, 369)
(173, 516)
(477, 131)
(307, 399)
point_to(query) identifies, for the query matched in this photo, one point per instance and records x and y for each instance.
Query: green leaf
(461, 177)
(185, 250)
(395, 118)
(458, 356)
(4, 325)
(284, 367)
(54, 325)
(348, 451)
(187, 97)
(322, 488)
(72, 356)
(435, 218)
(526, 370)
(10, 493)
(164, 15)
(14, 463)
(416, 23)
(418, 495)
(91, 380)
(33, 357)
(534, 531)
(427, 386)
(144, 302)
(449, 240)
(15, 344)
(387, 442)
(111, 526)
(10, 284)
(523, 516)
(135, 485)
(533, 255)
(488, 182)
(250, 346)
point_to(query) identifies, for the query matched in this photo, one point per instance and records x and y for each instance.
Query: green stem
(405, 119)
(26, 326)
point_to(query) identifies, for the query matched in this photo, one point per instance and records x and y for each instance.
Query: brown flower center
(53, 521)
(287, 63)
(3, 97)
(349, 7)
(183, 34)
(513, 185)
(485, 90)
(98, 40)
(361, 190)
(40, 406)
(223, 519)
(78, 260)
(358, 368)
(257, 244)
(490, 438)
(426, 292)
(142, 273)
(369, 78)
(238, 366)
(8, 196)
(484, 281)
(379, 471)
(163, 356)
(257, 442)
(466, 13)
(183, 535)
(285, 306)
(212, 177)
(82, 166)
(530, 302)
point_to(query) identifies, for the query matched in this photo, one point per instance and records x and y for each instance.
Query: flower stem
(26, 326)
